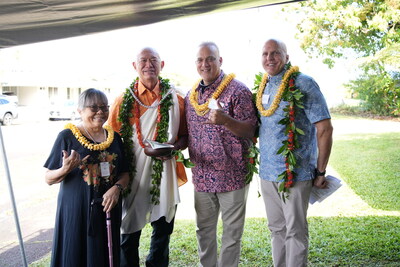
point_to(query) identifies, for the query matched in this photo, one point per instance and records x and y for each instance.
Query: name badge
(265, 99)
(104, 169)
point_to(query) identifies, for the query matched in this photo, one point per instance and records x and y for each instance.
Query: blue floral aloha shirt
(272, 133)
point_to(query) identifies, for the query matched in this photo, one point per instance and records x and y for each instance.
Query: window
(10, 90)
(53, 92)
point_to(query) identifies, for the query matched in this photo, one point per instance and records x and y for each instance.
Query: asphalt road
(27, 145)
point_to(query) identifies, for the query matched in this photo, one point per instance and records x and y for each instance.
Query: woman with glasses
(88, 161)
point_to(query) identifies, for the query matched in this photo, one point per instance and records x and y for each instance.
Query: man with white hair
(150, 109)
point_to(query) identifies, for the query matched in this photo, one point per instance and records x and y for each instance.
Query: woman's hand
(69, 163)
(72, 161)
(110, 198)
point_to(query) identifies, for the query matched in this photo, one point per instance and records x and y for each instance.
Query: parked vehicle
(66, 110)
(8, 110)
(11, 97)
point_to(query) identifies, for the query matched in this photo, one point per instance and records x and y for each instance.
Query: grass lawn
(334, 241)
(370, 165)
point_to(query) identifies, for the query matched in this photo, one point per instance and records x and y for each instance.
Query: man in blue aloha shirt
(286, 181)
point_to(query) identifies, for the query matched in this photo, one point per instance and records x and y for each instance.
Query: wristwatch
(120, 187)
(318, 173)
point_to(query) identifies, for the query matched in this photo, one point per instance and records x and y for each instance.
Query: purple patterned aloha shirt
(219, 156)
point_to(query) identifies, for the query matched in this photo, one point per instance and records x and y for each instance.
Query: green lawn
(370, 165)
(334, 241)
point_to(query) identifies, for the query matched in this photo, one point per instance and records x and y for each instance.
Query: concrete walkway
(344, 202)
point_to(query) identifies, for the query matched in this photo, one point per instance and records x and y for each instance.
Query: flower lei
(278, 97)
(203, 109)
(137, 118)
(252, 163)
(84, 142)
(91, 169)
(293, 96)
(161, 134)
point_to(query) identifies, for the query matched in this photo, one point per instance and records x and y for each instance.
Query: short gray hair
(150, 49)
(209, 44)
(91, 95)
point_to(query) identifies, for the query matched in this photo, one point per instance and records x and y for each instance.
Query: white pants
(233, 210)
(287, 222)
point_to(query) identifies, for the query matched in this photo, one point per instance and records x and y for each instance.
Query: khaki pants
(233, 209)
(287, 222)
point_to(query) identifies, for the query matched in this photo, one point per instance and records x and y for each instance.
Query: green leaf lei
(293, 96)
(254, 151)
(186, 162)
(253, 162)
(162, 136)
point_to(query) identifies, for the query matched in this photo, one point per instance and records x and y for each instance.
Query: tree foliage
(366, 30)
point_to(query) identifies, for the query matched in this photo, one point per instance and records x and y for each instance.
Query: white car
(66, 110)
(8, 110)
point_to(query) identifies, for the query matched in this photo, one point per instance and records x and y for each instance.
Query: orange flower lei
(137, 118)
(161, 133)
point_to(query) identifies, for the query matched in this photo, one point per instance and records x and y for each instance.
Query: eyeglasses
(95, 108)
(209, 59)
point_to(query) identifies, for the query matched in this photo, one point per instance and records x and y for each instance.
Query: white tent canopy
(30, 21)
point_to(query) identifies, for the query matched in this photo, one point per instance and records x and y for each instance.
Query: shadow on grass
(334, 241)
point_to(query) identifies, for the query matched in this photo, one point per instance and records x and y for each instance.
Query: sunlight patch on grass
(370, 165)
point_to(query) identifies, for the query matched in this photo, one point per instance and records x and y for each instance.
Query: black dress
(80, 233)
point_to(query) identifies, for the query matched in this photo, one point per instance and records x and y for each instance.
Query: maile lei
(289, 93)
(203, 109)
(161, 134)
(91, 167)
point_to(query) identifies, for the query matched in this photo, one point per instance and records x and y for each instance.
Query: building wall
(44, 96)
(29, 96)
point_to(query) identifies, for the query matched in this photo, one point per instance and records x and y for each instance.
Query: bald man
(286, 185)
(149, 100)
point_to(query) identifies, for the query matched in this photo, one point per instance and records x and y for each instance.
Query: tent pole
(21, 243)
